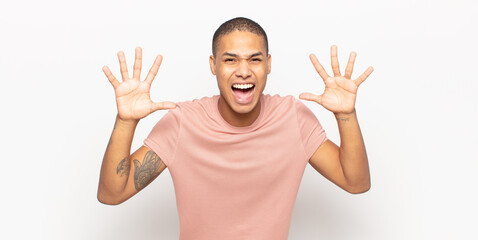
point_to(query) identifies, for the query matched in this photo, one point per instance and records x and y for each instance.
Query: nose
(243, 69)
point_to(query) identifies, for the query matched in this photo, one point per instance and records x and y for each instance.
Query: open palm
(340, 91)
(132, 95)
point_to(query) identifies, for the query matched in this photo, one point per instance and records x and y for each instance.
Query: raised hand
(132, 95)
(340, 91)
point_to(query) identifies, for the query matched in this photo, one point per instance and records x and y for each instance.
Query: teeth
(243, 86)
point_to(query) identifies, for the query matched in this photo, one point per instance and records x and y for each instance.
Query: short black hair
(241, 24)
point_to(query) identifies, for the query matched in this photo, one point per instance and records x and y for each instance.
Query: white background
(418, 110)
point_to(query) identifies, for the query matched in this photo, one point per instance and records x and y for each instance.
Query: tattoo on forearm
(343, 119)
(123, 167)
(145, 172)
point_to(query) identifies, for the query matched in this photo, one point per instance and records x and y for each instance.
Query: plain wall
(418, 110)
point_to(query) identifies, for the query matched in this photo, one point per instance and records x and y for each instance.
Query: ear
(212, 64)
(269, 63)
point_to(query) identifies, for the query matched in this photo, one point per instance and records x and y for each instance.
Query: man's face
(241, 66)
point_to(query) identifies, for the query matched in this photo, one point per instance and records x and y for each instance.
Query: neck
(238, 119)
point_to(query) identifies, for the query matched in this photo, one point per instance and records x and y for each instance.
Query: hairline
(238, 24)
(218, 39)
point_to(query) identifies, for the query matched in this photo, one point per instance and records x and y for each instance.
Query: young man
(236, 159)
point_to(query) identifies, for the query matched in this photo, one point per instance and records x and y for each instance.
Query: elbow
(108, 199)
(358, 189)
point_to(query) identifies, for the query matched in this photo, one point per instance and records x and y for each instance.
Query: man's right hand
(132, 95)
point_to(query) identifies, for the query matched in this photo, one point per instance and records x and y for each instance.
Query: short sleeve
(163, 138)
(312, 133)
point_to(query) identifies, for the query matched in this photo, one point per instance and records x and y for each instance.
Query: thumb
(162, 105)
(311, 97)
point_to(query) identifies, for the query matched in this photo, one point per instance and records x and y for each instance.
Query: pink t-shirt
(236, 182)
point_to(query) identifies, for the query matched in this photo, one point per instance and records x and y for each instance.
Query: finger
(124, 69)
(154, 69)
(310, 97)
(364, 76)
(350, 65)
(335, 61)
(163, 105)
(318, 67)
(137, 63)
(110, 77)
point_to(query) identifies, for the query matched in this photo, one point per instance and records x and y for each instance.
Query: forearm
(352, 153)
(116, 161)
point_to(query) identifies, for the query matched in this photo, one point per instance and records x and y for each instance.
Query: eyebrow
(235, 55)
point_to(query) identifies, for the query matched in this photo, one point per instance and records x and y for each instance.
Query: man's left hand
(340, 91)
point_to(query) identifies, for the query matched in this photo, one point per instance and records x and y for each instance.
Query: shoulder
(288, 105)
(279, 109)
(277, 99)
(195, 104)
(192, 111)
(274, 103)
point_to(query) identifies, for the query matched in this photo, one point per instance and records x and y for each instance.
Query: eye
(256, 59)
(229, 60)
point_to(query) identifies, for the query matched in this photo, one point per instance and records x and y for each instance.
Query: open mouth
(243, 92)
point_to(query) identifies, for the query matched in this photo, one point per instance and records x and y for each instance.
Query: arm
(123, 175)
(347, 165)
